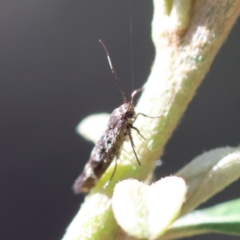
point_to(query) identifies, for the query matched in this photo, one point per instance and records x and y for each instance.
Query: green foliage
(222, 218)
(187, 36)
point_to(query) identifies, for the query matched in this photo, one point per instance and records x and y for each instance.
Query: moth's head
(127, 109)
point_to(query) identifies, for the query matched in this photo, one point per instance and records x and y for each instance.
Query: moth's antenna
(113, 71)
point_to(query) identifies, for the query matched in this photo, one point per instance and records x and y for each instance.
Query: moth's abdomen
(106, 150)
(84, 183)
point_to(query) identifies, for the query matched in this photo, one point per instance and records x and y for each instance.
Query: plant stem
(186, 41)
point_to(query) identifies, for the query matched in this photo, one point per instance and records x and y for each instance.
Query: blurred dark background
(53, 73)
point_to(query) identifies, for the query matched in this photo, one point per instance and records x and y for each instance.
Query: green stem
(185, 49)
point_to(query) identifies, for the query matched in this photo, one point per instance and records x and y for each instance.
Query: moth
(110, 144)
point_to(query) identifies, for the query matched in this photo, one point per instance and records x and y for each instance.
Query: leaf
(221, 218)
(208, 174)
(145, 211)
(93, 126)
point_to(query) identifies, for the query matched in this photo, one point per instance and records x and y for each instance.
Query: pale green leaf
(145, 211)
(93, 126)
(208, 174)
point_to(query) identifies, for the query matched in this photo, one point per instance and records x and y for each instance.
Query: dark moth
(110, 145)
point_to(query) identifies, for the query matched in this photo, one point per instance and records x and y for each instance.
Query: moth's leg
(138, 132)
(145, 115)
(132, 144)
(113, 173)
